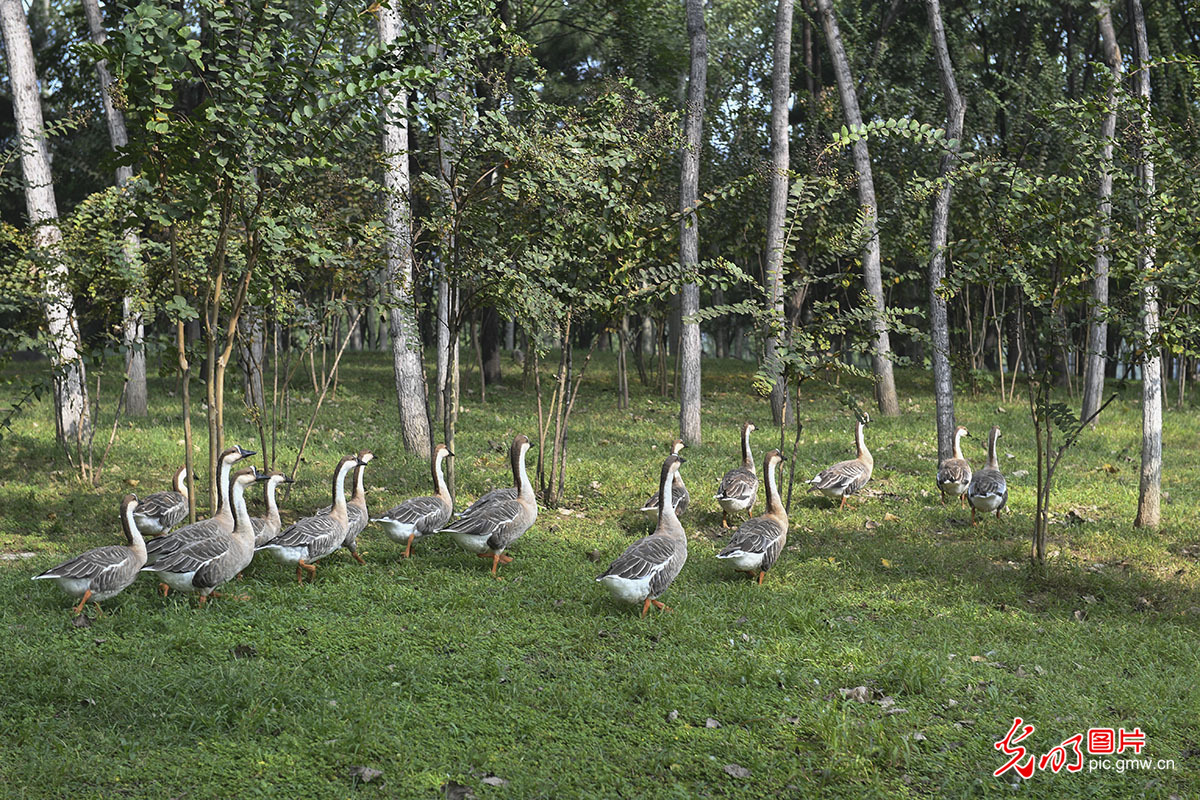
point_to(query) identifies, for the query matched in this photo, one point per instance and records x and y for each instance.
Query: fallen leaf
(364, 774)
(870, 524)
(890, 517)
(978, 658)
(859, 694)
(711, 723)
(737, 771)
(494, 780)
(885, 562)
(457, 791)
(918, 736)
(1080, 615)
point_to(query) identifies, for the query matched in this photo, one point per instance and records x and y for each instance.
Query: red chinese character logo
(1101, 741)
(1057, 757)
(1134, 738)
(1011, 747)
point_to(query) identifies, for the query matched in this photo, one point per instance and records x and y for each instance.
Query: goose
(312, 538)
(105, 571)
(494, 526)
(847, 477)
(267, 528)
(755, 546)
(988, 491)
(679, 492)
(648, 566)
(739, 487)
(954, 474)
(220, 522)
(159, 512)
(205, 564)
(420, 515)
(356, 507)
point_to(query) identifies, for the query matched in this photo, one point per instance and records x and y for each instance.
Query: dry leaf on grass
(364, 774)
(737, 771)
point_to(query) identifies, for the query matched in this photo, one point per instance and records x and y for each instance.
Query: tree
(1150, 484)
(1097, 340)
(406, 338)
(689, 234)
(133, 328)
(70, 389)
(781, 83)
(885, 388)
(939, 324)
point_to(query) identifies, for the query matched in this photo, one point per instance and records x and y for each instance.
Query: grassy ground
(432, 673)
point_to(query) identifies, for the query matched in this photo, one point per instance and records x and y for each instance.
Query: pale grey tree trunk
(689, 234)
(881, 358)
(405, 335)
(943, 383)
(781, 91)
(1150, 487)
(1097, 341)
(251, 355)
(70, 388)
(133, 329)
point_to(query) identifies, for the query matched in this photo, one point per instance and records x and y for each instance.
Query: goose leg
(661, 606)
(299, 574)
(203, 599)
(82, 602)
(973, 522)
(496, 563)
(162, 587)
(750, 512)
(357, 557)
(646, 606)
(724, 519)
(943, 498)
(311, 569)
(843, 504)
(408, 547)
(761, 575)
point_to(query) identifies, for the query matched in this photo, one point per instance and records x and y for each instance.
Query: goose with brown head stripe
(105, 571)
(739, 487)
(648, 566)
(755, 546)
(312, 538)
(847, 477)
(492, 527)
(205, 564)
(420, 516)
(988, 491)
(954, 474)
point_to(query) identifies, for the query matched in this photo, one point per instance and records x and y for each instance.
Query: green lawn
(431, 672)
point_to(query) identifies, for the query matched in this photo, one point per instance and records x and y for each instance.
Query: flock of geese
(201, 557)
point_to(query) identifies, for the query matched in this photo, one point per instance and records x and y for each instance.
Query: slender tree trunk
(781, 91)
(1097, 341)
(133, 330)
(406, 336)
(251, 355)
(885, 382)
(489, 344)
(943, 384)
(689, 235)
(1149, 490)
(70, 387)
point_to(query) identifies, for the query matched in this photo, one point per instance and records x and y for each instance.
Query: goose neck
(774, 504)
(521, 475)
(993, 462)
(860, 442)
(132, 534)
(339, 487)
(668, 522)
(958, 436)
(223, 509)
(241, 515)
(439, 476)
(747, 458)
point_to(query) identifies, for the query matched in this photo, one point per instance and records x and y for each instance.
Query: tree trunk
(1149, 490)
(406, 337)
(251, 355)
(689, 234)
(781, 91)
(133, 330)
(943, 384)
(885, 382)
(1097, 341)
(489, 344)
(70, 387)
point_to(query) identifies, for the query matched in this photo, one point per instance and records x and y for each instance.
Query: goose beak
(288, 479)
(245, 453)
(261, 476)
(450, 453)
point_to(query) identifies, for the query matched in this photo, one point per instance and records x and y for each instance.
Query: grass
(432, 673)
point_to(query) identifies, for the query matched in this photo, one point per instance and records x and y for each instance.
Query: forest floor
(452, 684)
